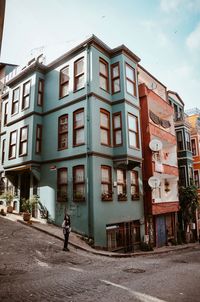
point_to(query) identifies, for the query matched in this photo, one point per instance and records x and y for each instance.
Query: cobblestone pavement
(33, 267)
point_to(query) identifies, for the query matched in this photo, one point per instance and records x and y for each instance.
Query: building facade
(71, 134)
(160, 168)
(183, 137)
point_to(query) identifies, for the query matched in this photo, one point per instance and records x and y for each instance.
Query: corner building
(71, 134)
(160, 202)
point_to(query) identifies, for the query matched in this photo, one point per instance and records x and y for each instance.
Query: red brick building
(160, 160)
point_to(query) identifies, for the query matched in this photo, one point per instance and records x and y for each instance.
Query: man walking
(66, 225)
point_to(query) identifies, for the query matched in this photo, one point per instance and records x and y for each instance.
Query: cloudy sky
(165, 34)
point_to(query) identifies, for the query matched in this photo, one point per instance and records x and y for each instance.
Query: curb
(119, 255)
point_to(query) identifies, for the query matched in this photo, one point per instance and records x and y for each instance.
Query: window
(38, 146)
(78, 126)
(3, 151)
(196, 178)
(117, 129)
(79, 74)
(106, 183)
(133, 131)
(115, 78)
(130, 80)
(182, 176)
(187, 140)
(23, 141)
(40, 92)
(5, 114)
(26, 95)
(103, 75)
(63, 132)
(62, 184)
(134, 185)
(15, 101)
(179, 138)
(64, 81)
(121, 185)
(105, 127)
(78, 183)
(13, 145)
(194, 149)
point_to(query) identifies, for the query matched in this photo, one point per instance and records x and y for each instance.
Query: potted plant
(26, 206)
(122, 197)
(8, 197)
(106, 196)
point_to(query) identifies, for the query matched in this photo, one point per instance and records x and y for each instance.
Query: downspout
(88, 139)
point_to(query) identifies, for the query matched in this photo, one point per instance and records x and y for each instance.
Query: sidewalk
(76, 241)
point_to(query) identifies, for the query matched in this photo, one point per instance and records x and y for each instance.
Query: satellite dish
(155, 145)
(154, 182)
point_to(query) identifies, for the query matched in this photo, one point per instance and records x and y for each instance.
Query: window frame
(113, 79)
(15, 102)
(117, 129)
(3, 151)
(107, 196)
(103, 111)
(122, 196)
(64, 83)
(78, 128)
(133, 82)
(24, 96)
(75, 183)
(179, 143)
(61, 198)
(79, 75)
(38, 139)
(63, 132)
(187, 141)
(135, 196)
(5, 119)
(12, 145)
(106, 77)
(196, 181)
(193, 147)
(21, 142)
(135, 132)
(40, 92)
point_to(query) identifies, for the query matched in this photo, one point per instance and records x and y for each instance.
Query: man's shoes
(66, 250)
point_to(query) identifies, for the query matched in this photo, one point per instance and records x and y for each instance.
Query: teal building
(70, 133)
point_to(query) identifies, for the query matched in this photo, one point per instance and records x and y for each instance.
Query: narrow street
(33, 267)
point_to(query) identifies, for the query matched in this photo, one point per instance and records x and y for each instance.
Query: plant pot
(26, 216)
(9, 209)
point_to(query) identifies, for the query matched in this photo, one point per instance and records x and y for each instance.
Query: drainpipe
(88, 139)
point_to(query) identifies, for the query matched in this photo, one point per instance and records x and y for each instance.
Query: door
(160, 231)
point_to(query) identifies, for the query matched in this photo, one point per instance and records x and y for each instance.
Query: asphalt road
(33, 267)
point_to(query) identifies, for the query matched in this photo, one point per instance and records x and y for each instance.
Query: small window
(40, 98)
(106, 183)
(134, 185)
(23, 141)
(105, 127)
(78, 126)
(62, 185)
(64, 81)
(194, 149)
(79, 74)
(38, 147)
(117, 129)
(15, 101)
(179, 137)
(13, 145)
(196, 178)
(103, 75)
(63, 132)
(133, 131)
(78, 183)
(187, 139)
(5, 114)
(26, 95)
(115, 78)
(3, 151)
(121, 185)
(130, 80)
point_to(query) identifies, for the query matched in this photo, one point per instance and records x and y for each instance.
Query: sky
(165, 34)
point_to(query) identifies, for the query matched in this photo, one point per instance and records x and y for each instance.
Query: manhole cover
(134, 270)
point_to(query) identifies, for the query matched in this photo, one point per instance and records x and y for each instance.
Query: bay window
(23, 141)
(26, 95)
(105, 127)
(130, 80)
(40, 92)
(115, 78)
(13, 145)
(117, 129)
(103, 75)
(15, 101)
(133, 131)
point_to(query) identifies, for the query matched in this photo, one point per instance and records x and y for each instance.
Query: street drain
(134, 270)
